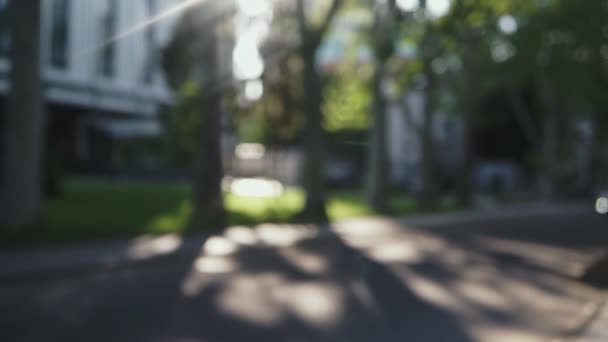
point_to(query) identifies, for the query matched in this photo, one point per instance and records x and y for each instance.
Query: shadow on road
(365, 280)
(274, 290)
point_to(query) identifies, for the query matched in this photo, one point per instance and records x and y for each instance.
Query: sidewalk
(56, 261)
(597, 330)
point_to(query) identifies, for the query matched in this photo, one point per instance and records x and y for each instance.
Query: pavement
(52, 261)
(507, 274)
(597, 328)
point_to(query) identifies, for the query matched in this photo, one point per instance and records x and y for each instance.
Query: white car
(601, 203)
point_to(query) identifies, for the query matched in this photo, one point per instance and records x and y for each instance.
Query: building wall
(80, 82)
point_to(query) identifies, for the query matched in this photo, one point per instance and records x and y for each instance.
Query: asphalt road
(363, 280)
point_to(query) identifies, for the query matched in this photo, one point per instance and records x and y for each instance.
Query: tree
(184, 121)
(470, 33)
(314, 138)
(276, 118)
(192, 55)
(422, 30)
(378, 173)
(22, 193)
(208, 205)
(561, 60)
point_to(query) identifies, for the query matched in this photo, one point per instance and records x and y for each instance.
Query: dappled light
(250, 298)
(306, 261)
(255, 187)
(464, 276)
(507, 24)
(252, 27)
(434, 9)
(284, 235)
(254, 90)
(395, 252)
(147, 247)
(219, 246)
(213, 265)
(317, 303)
(304, 170)
(250, 151)
(242, 236)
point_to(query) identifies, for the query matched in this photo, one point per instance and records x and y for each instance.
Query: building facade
(101, 73)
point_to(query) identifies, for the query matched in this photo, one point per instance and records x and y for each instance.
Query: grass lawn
(96, 210)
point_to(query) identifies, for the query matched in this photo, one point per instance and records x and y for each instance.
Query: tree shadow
(315, 287)
(323, 291)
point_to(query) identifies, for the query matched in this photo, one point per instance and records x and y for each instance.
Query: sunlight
(219, 246)
(317, 303)
(502, 51)
(254, 90)
(507, 24)
(147, 247)
(408, 5)
(248, 63)
(484, 296)
(214, 265)
(170, 12)
(284, 235)
(252, 26)
(431, 291)
(254, 8)
(242, 236)
(250, 297)
(365, 228)
(434, 8)
(306, 261)
(396, 252)
(438, 8)
(256, 187)
(250, 151)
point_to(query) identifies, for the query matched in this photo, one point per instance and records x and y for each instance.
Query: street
(492, 279)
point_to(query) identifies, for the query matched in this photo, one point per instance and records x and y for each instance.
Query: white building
(93, 82)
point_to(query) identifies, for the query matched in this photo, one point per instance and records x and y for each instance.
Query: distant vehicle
(601, 203)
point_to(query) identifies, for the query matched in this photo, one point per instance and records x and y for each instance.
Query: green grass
(90, 210)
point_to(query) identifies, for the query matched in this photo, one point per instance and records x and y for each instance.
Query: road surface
(508, 279)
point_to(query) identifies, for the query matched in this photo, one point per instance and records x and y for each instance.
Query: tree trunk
(378, 172)
(378, 161)
(465, 181)
(428, 197)
(470, 103)
(22, 195)
(550, 143)
(208, 207)
(314, 141)
(313, 172)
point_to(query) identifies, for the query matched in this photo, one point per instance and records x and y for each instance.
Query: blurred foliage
(347, 100)
(184, 121)
(276, 118)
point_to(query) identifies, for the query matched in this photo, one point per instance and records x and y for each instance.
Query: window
(5, 38)
(108, 29)
(59, 33)
(150, 45)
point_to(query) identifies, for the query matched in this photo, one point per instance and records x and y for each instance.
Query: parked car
(601, 203)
